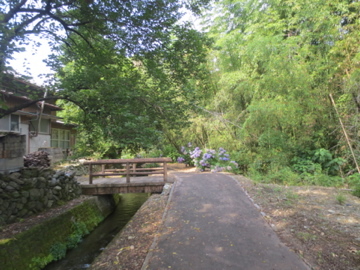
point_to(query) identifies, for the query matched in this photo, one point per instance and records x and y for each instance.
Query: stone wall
(32, 190)
(12, 149)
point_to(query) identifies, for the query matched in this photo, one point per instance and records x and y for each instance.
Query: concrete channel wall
(48, 241)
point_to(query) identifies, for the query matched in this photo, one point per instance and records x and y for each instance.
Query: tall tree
(135, 26)
(274, 64)
(128, 102)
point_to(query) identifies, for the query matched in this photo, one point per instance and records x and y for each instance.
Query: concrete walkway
(210, 224)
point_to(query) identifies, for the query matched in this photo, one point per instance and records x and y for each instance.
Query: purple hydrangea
(203, 163)
(180, 159)
(196, 153)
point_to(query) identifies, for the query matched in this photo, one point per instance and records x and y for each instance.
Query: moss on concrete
(45, 242)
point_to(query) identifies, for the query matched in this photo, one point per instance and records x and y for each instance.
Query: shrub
(208, 158)
(284, 176)
(354, 180)
(356, 191)
(58, 251)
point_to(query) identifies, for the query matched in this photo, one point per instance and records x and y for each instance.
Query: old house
(31, 128)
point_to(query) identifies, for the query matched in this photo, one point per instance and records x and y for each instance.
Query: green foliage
(303, 165)
(284, 176)
(272, 69)
(354, 180)
(79, 230)
(39, 263)
(58, 251)
(356, 192)
(328, 163)
(170, 151)
(125, 103)
(340, 198)
(136, 27)
(306, 163)
(306, 236)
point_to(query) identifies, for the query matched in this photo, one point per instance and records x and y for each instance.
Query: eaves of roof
(43, 116)
(7, 93)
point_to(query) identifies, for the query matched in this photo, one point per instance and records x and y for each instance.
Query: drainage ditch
(83, 255)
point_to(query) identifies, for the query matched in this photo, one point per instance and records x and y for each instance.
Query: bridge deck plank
(113, 185)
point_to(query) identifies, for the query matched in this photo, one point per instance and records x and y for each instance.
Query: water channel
(83, 255)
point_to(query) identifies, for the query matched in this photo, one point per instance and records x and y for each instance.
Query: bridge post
(103, 168)
(90, 174)
(127, 172)
(165, 171)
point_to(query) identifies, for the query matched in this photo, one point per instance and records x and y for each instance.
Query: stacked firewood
(37, 159)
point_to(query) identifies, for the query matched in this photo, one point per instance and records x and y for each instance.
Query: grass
(340, 198)
(292, 196)
(306, 236)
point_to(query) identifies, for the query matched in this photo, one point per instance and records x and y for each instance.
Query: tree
(132, 27)
(135, 26)
(273, 66)
(129, 102)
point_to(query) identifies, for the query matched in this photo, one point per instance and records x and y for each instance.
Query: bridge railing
(130, 169)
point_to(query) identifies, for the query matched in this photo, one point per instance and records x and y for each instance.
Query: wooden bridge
(111, 169)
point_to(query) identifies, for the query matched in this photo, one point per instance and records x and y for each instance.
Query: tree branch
(68, 28)
(4, 112)
(13, 11)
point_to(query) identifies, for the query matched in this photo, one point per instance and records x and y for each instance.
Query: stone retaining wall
(33, 190)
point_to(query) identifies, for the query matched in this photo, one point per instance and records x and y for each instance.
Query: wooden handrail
(124, 161)
(127, 170)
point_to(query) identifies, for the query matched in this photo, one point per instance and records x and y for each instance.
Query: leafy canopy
(135, 26)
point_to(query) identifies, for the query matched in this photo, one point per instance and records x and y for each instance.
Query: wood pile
(38, 159)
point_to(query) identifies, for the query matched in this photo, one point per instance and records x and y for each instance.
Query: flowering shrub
(217, 161)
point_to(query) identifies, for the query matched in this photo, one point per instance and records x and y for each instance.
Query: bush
(58, 251)
(208, 158)
(356, 191)
(284, 176)
(353, 180)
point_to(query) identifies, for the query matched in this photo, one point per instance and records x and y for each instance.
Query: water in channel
(83, 255)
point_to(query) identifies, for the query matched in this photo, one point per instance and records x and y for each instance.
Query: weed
(305, 236)
(356, 191)
(40, 262)
(58, 251)
(277, 189)
(320, 257)
(340, 198)
(291, 196)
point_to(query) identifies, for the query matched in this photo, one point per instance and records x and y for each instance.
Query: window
(15, 123)
(60, 138)
(10, 123)
(44, 126)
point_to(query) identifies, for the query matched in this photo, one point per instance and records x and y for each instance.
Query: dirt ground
(321, 224)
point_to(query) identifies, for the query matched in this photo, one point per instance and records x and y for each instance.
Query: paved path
(211, 224)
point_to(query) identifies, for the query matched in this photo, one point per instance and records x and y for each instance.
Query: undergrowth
(58, 250)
